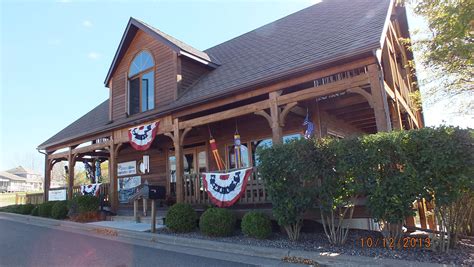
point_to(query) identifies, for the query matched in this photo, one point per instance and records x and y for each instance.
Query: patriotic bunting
(91, 189)
(141, 137)
(224, 189)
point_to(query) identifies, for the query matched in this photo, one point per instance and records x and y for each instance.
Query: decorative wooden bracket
(365, 94)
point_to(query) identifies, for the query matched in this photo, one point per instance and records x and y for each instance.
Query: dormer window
(141, 85)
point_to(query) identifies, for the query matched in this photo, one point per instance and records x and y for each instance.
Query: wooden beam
(300, 95)
(178, 152)
(71, 164)
(47, 177)
(113, 190)
(278, 86)
(285, 112)
(277, 133)
(396, 95)
(90, 148)
(380, 105)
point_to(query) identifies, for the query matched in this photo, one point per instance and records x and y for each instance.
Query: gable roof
(317, 36)
(178, 46)
(325, 32)
(10, 176)
(93, 120)
(22, 170)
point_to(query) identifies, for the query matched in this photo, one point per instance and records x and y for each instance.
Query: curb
(324, 259)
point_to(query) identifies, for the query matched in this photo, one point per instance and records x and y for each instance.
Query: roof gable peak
(181, 48)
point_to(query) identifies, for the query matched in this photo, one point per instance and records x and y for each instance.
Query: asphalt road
(30, 245)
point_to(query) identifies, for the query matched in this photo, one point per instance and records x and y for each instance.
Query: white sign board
(57, 195)
(127, 168)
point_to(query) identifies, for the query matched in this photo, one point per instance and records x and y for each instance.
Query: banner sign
(90, 189)
(127, 168)
(127, 187)
(224, 189)
(57, 195)
(141, 137)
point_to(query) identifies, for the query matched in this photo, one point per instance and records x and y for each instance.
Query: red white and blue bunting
(224, 189)
(91, 189)
(141, 137)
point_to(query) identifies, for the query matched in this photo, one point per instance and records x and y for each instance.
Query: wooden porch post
(112, 178)
(47, 177)
(178, 153)
(379, 96)
(71, 164)
(395, 115)
(277, 132)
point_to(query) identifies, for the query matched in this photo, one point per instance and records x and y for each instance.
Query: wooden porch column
(277, 132)
(379, 96)
(395, 116)
(178, 153)
(47, 177)
(112, 178)
(71, 163)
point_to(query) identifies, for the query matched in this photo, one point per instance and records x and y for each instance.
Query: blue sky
(55, 56)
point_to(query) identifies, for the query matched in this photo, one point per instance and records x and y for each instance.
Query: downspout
(45, 185)
(378, 55)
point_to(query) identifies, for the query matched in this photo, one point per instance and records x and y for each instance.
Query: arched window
(141, 89)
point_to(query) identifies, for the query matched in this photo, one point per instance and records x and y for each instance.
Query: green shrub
(181, 218)
(11, 209)
(217, 222)
(45, 208)
(26, 209)
(256, 224)
(59, 210)
(34, 211)
(87, 203)
(286, 168)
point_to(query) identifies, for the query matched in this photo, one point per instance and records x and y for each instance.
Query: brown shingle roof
(318, 35)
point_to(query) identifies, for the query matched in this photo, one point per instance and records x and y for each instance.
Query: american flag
(309, 127)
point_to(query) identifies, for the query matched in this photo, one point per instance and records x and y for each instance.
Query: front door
(194, 161)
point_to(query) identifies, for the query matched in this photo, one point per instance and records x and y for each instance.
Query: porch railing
(195, 193)
(104, 192)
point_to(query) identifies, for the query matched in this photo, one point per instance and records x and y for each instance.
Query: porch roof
(320, 35)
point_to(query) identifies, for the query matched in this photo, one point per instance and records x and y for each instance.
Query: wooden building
(340, 61)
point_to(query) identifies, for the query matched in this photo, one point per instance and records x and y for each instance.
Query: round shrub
(87, 203)
(34, 211)
(44, 209)
(217, 222)
(181, 218)
(256, 224)
(59, 210)
(26, 209)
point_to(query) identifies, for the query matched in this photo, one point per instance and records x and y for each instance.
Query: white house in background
(12, 183)
(20, 179)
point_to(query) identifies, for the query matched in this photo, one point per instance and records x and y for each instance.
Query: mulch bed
(462, 255)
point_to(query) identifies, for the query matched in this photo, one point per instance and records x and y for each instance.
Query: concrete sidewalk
(146, 239)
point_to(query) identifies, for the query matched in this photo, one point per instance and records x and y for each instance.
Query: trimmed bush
(217, 222)
(59, 210)
(87, 203)
(44, 209)
(181, 218)
(34, 211)
(26, 209)
(256, 224)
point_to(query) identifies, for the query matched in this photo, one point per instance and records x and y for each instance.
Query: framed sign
(127, 187)
(127, 168)
(57, 195)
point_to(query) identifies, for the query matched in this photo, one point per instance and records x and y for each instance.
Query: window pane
(134, 92)
(289, 138)
(258, 145)
(141, 62)
(148, 99)
(244, 156)
(202, 161)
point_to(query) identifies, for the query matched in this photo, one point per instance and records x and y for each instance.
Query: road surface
(30, 245)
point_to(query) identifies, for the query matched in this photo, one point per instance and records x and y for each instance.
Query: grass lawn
(7, 199)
